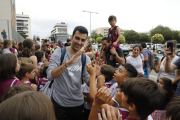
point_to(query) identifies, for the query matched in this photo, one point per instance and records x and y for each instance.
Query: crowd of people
(86, 83)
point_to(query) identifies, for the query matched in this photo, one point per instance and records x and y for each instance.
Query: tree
(131, 36)
(143, 37)
(179, 34)
(165, 31)
(157, 38)
(94, 34)
(100, 35)
(99, 39)
(122, 39)
(23, 35)
(175, 35)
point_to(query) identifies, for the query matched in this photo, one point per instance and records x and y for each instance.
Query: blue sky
(139, 15)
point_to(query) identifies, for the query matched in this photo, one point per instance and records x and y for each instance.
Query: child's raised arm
(100, 98)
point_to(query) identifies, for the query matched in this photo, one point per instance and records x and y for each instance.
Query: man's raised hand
(75, 58)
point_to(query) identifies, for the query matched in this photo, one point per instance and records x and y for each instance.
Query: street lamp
(90, 18)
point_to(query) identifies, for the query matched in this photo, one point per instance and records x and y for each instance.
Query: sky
(138, 15)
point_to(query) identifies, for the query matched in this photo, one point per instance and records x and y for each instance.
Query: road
(153, 75)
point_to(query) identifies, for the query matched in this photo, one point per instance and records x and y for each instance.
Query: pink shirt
(4, 85)
(41, 83)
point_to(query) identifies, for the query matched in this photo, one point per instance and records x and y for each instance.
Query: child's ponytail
(26, 52)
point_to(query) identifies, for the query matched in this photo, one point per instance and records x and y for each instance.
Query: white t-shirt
(136, 62)
(172, 75)
(39, 43)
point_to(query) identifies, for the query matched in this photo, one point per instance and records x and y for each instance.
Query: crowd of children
(109, 95)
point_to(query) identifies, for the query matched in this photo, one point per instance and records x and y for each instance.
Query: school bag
(47, 89)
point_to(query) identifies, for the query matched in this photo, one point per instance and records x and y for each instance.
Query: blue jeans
(145, 72)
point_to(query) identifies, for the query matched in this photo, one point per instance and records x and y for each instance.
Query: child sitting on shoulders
(27, 72)
(114, 32)
(43, 76)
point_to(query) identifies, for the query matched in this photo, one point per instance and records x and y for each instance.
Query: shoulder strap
(63, 51)
(83, 59)
(162, 58)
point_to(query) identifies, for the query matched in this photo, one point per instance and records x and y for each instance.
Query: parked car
(160, 50)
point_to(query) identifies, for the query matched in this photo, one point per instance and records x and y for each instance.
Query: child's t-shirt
(107, 84)
(124, 112)
(39, 64)
(4, 85)
(41, 83)
(28, 82)
(113, 89)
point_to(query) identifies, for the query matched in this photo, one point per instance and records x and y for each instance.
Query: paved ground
(153, 75)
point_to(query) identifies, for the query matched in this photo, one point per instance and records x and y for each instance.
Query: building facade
(23, 23)
(60, 28)
(8, 19)
(104, 31)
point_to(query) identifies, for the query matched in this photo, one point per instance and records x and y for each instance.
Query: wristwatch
(114, 55)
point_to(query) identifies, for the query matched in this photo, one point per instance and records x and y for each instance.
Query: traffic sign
(90, 39)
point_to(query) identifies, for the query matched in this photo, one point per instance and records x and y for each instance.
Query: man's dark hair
(66, 44)
(112, 17)
(131, 70)
(143, 45)
(45, 41)
(59, 42)
(107, 39)
(173, 109)
(108, 72)
(144, 93)
(68, 40)
(81, 29)
(48, 52)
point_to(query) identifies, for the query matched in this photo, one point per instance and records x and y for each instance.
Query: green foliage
(131, 36)
(179, 34)
(23, 35)
(157, 38)
(122, 39)
(143, 37)
(100, 35)
(175, 35)
(165, 31)
(99, 40)
(94, 34)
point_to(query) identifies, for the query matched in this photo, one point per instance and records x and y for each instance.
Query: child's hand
(98, 66)
(115, 43)
(110, 114)
(140, 74)
(36, 72)
(118, 96)
(91, 68)
(102, 96)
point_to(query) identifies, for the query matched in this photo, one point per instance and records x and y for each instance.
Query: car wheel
(159, 52)
(178, 53)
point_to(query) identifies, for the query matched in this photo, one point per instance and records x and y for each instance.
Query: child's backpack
(47, 88)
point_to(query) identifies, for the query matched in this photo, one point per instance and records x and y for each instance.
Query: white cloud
(139, 15)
